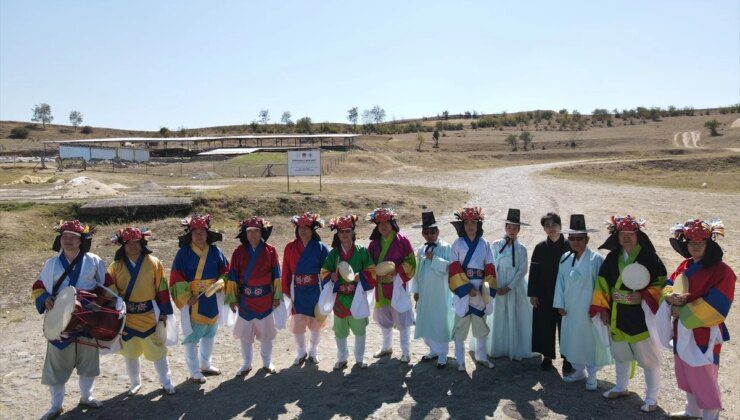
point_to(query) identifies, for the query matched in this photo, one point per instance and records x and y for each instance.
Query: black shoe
(546, 364)
(567, 368)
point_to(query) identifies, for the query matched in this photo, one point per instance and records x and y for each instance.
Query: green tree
(352, 116)
(446, 115)
(42, 114)
(419, 141)
(712, 126)
(435, 136)
(75, 118)
(285, 119)
(304, 125)
(526, 138)
(264, 116)
(512, 140)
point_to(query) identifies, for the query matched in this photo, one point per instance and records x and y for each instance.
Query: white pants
(480, 349)
(87, 385)
(300, 342)
(438, 348)
(265, 351)
(590, 369)
(404, 335)
(647, 356)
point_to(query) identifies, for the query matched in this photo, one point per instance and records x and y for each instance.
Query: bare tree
(352, 116)
(264, 116)
(42, 114)
(378, 114)
(285, 119)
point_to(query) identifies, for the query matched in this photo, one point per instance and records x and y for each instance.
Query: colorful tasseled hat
(381, 214)
(254, 222)
(198, 221)
(76, 228)
(470, 213)
(698, 230)
(624, 224)
(121, 236)
(343, 222)
(308, 219)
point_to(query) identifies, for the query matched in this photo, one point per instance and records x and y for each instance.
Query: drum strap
(67, 270)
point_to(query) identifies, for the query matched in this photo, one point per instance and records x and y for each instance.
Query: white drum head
(681, 284)
(635, 276)
(384, 268)
(57, 319)
(215, 287)
(346, 271)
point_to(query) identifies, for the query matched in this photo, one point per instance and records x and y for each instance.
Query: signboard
(304, 162)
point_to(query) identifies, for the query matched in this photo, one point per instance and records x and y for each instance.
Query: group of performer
(471, 287)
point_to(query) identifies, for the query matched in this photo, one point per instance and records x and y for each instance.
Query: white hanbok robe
(434, 315)
(511, 321)
(574, 289)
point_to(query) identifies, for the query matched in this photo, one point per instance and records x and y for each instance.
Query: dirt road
(388, 389)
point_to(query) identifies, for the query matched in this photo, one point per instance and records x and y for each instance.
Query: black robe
(543, 274)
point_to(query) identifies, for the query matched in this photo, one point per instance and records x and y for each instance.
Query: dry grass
(718, 173)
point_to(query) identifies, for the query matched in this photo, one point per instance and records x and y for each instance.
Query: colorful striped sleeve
(408, 266)
(163, 292)
(601, 299)
(367, 275)
(39, 295)
(179, 284)
(231, 291)
(712, 308)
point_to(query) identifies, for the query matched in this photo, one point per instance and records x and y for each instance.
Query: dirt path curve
(689, 139)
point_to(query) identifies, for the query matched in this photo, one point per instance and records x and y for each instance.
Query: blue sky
(144, 65)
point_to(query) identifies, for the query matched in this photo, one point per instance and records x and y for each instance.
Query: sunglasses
(576, 238)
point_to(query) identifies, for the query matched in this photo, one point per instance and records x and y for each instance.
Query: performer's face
(132, 249)
(697, 249)
(254, 236)
(345, 236)
(512, 230)
(471, 228)
(430, 235)
(552, 229)
(305, 233)
(70, 242)
(385, 228)
(578, 243)
(628, 240)
(199, 236)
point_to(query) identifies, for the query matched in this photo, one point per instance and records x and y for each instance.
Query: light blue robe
(434, 315)
(511, 321)
(573, 292)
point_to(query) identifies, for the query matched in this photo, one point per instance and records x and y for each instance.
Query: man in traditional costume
(472, 279)
(198, 266)
(543, 271)
(302, 261)
(624, 310)
(387, 244)
(254, 288)
(700, 292)
(344, 249)
(138, 277)
(511, 322)
(75, 266)
(434, 315)
(574, 290)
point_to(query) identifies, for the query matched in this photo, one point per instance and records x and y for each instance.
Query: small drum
(346, 271)
(635, 276)
(384, 268)
(80, 312)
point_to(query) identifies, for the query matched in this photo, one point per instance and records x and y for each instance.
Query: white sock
(313, 349)
(652, 385)
(360, 348)
(206, 349)
(592, 370)
(300, 344)
(266, 352)
(578, 370)
(387, 338)
(405, 334)
(246, 349)
(191, 359)
(342, 351)
(133, 369)
(710, 415)
(57, 396)
(480, 348)
(623, 375)
(87, 385)
(163, 370)
(460, 350)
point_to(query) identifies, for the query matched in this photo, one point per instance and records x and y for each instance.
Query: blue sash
(133, 272)
(74, 276)
(472, 246)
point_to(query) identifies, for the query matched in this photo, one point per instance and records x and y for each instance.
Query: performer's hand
(334, 276)
(503, 290)
(163, 318)
(193, 300)
(634, 296)
(676, 299)
(534, 301)
(561, 311)
(49, 303)
(604, 317)
(233, 306)
(275, 303)
(416, 297)
(473, 293)
(675, 311)
(429, 255)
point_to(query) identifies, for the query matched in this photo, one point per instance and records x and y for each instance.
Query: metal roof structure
(199, 139)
